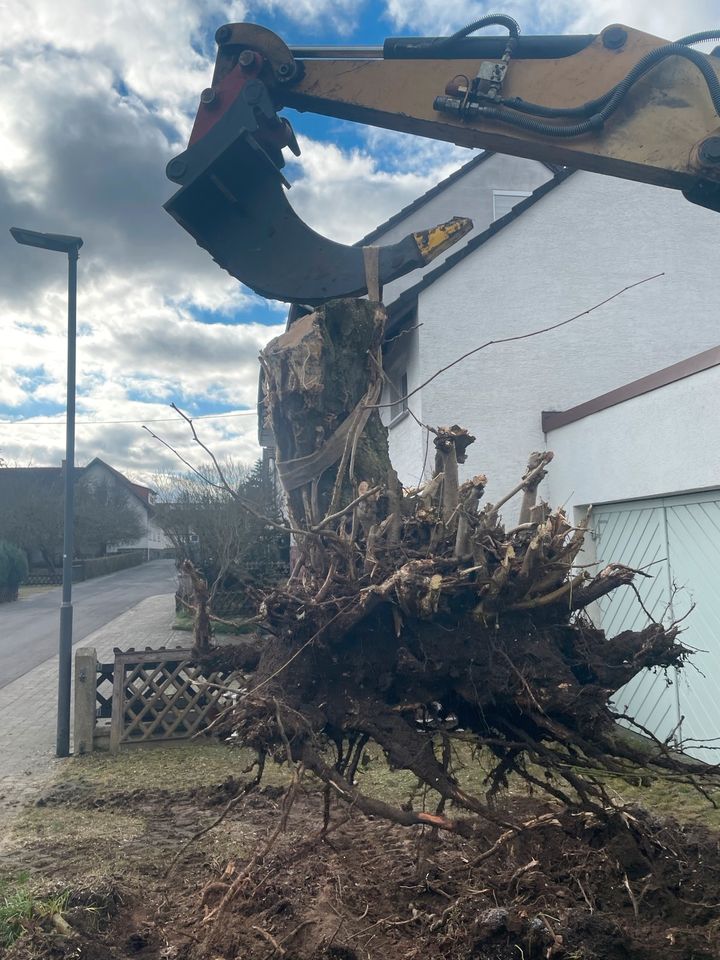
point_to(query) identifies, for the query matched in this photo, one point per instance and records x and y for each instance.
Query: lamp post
(61, 243)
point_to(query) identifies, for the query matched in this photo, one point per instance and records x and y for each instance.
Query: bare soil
(573, 888)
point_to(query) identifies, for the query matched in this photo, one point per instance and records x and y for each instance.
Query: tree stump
(412, 615)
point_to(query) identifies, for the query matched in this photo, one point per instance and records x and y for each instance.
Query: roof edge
(121, 476)
(424, 198)
(554, 419)
(400, 305)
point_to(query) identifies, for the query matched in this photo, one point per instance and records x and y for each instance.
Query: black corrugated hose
(699, 37)
(597, 112)
(490, 20)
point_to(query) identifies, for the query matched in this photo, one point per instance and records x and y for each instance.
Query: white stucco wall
(408, 446)
(581, 243)
(153, 537)
(470, 196)
(660, 443)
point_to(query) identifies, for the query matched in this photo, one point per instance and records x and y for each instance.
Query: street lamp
(62, 243)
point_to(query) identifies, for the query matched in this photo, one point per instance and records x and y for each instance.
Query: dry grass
(126, 816)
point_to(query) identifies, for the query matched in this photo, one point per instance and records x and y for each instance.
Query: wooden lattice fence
(165, 695)
(104, 690)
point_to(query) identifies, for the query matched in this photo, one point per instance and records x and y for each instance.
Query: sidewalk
(28, 705)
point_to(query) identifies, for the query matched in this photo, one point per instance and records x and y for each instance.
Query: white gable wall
(578, 245)
(469, 196)
(153, 537)
(651, 469)
(408, 442)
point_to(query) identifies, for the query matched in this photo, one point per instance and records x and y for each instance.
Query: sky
(95, 98)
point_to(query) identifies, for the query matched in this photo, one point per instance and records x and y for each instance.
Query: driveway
(29, 628)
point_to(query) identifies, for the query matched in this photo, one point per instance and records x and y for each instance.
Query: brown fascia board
(553, 419)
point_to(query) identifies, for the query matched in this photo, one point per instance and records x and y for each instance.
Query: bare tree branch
(519, 336)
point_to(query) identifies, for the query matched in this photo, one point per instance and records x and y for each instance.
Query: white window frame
(397, 395)
(508, 193)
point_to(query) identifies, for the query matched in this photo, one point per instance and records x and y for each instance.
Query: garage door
(677, 540)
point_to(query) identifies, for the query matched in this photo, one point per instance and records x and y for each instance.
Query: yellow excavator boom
(622, 103)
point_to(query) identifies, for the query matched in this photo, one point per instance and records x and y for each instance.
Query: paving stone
(28, 705)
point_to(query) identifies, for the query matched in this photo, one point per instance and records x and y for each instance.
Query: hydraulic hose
(490, 20)
(595, 113)
(699, 37)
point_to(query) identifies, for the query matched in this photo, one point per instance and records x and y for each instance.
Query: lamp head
(61, 242)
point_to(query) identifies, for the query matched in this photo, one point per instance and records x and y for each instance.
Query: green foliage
(32, 515)
(19, 906)
(13, 566)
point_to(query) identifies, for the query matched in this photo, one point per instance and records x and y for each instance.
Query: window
(505, 200)
(398, 394)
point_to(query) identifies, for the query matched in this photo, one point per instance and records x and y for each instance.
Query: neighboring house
(38, 492)
(636, 379)
(141, 500)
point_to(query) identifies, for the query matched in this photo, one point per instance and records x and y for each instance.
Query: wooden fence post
(85, 705)
(118, 703)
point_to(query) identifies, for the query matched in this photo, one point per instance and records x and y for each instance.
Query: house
(646, 456)
(141, 500)
(624, 394)
(113, 514)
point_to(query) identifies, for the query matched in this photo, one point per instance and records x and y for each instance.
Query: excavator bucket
(232, 200)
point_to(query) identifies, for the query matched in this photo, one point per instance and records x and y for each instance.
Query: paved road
(29, 628)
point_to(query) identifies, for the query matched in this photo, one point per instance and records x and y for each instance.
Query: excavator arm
(622, 103)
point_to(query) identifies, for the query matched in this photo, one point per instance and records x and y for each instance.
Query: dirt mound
(570, 886)
(631, 888)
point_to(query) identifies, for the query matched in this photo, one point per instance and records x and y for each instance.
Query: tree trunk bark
(322, 378)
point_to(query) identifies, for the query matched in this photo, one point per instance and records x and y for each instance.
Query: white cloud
(160, 51)
(344, 194)
(95, 99)
(232, 437)
(342, 15)
(442, 17)
(665, 18)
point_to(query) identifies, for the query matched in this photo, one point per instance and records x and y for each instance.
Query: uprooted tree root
(414, 619)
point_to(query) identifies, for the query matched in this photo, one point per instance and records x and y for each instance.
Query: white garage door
(677, 540)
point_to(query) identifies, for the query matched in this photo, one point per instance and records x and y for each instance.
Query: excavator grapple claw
(622, 103)
(232, 200)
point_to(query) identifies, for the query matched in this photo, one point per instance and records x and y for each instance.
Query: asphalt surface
(29, 628)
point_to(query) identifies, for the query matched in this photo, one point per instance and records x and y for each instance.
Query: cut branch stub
(535, 477)
(450, 445)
